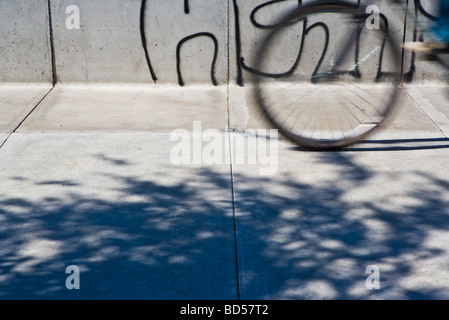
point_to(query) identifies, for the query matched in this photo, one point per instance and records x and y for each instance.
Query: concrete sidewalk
(87, 180)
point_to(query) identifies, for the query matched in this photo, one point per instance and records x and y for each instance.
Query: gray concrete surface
(408, 113)
(126, 107)
(107, 46)
(25, 54)
(311, 231)
(88, 176)
(120, 42)
(111, 203)
(432, 99)
(3, 137)
(17, 101)
(104, 195)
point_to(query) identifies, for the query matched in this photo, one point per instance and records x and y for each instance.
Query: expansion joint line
(234, 216)
(26, 117)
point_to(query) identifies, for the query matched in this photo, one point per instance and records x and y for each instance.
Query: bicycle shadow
(392, 145)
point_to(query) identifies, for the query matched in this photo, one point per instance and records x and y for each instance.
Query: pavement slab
(433, 100)
(3, 137)
(317, 227)
(17, 101)
(314, 228)
(129, 108)
(406, 114)
(114, 205)
(89, 179)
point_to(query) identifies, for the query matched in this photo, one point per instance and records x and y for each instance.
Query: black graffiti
(261, 6)
(418, 35)
(306, 30)
(240, 62)
(420, 8)
(238, 42)
(178, 55)
(143, 35)
(143, 12)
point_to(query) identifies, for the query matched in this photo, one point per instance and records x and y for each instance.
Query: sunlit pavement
(88, 180)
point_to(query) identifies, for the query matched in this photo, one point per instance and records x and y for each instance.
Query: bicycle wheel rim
(309, 114)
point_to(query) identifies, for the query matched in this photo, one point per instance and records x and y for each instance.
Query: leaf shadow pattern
(308, 235)
(315, 239)
(156, 241)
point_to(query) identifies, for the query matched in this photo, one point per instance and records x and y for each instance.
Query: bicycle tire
(285, 83)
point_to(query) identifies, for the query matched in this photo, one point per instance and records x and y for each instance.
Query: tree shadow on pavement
(307, 233)
(315, 240)
(153, 241)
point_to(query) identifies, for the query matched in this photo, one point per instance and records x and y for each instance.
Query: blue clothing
(441, 28)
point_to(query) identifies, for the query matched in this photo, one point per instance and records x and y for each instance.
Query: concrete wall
(107, 47)
(24, 41)
(163, 41)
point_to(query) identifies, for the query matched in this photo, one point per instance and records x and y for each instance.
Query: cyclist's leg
(439, 33)
(441, 29)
